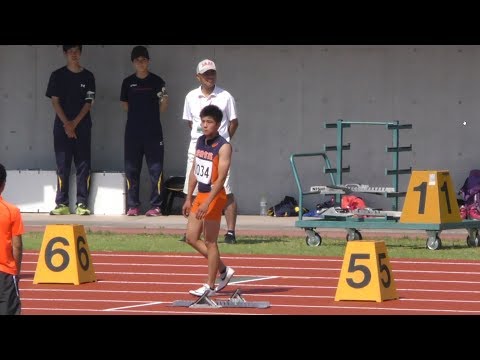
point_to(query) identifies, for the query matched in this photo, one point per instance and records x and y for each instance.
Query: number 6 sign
(64, 256)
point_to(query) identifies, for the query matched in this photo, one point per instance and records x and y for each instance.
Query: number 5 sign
(431, 198)
(366, 273)
(64, 256)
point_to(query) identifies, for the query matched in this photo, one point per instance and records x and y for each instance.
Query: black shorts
(9, 295)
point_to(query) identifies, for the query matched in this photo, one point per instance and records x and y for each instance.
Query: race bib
(203, 170)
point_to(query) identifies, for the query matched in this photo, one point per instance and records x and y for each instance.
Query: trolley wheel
(313, 240)
(475, 242)
(434, 243)
(356, 236)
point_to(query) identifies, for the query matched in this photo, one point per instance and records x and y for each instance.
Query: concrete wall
(285, 95)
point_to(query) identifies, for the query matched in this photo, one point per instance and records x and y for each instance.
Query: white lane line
(249, 257)
(134, 306)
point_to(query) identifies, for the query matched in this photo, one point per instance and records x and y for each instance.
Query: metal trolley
(366, 218)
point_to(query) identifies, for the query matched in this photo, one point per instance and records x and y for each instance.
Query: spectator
(72, 90)
(210, 94)
(143, 97)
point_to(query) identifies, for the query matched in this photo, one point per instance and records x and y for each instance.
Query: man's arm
(69, 128)
(59, 110)
(124, 105)
(232, 127)
(17, 251)
(81, 115)
(87, 106)
(224, 160)
(163, 99)
(231, 113)
(187, 113)
(192, 182)
(164, 103)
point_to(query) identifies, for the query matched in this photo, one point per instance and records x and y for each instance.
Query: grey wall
(285, 95)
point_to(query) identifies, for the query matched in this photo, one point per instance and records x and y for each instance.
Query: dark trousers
(79, 150)
(153, 151)
(9, 295)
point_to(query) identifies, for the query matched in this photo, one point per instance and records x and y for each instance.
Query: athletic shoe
(225, 278)
(230, 238)
(474, 213)
(201, 291)
(154, 212)
(82, 209)
(463, 212)
(133, 212)
(60, 209)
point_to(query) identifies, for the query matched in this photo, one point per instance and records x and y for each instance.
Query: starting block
(350, 188)
(377, 213)
(235, 301)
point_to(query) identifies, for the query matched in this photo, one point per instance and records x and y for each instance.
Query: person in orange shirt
(11, 251)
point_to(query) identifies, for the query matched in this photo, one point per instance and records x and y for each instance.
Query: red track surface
(147, 284)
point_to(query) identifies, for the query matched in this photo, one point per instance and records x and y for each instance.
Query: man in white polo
(210, 94)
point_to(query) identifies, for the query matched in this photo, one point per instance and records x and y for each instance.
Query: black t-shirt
(73, 90)
(143, 105)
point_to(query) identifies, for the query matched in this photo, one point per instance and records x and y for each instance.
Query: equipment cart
(379, 219)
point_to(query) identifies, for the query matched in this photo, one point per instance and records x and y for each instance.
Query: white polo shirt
(195, 101)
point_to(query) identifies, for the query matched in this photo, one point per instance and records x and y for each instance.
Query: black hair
(138, 51)
(212, 111)
(68, 47)
(3, 175)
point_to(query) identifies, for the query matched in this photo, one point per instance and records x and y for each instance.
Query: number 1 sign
(430, 199)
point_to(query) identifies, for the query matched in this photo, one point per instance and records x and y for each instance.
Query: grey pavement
(246, 224)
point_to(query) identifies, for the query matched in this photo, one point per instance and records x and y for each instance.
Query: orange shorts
(215, 208)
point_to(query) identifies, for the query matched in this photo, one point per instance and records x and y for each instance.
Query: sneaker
(230, 238)
(474, 213)
(133, 212)
(463, 212)
(82, 209)
(225, 278)
(60, 209)
(154, 212)
(201, 291)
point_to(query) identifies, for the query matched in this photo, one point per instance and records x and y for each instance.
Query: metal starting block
(334, 212)
(235, 301)
(350, 188)
(372, 212)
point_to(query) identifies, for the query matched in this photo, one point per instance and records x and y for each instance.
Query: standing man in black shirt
(72, 90)
(143, 96)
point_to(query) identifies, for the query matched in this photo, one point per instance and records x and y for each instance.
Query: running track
(147, 284)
